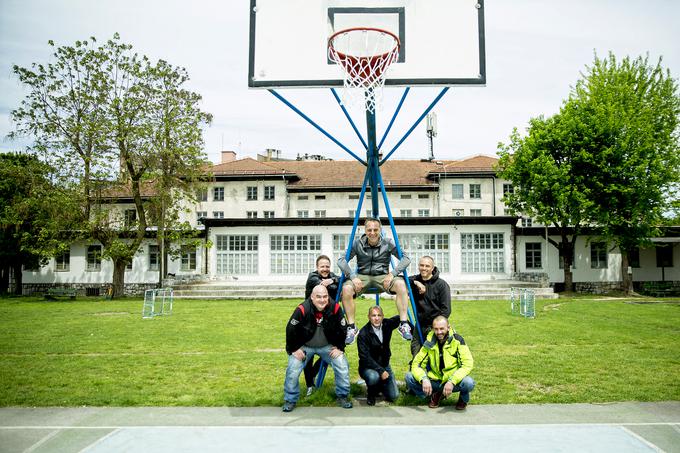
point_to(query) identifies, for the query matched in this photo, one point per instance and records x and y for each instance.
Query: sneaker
(405, 331)
(461, 405)
(288, 406)
(435, 399)
(310, 390)
(370, 400)
(344, 402)
(351, 334)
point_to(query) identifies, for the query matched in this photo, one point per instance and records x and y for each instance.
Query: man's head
(440, 327)
(425, 267)
(375, 315)
(319, 297)
(323, 266)
(372, 228)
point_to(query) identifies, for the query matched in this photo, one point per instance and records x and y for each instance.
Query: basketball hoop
(364, 54)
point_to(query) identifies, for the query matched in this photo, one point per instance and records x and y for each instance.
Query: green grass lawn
(231, 353)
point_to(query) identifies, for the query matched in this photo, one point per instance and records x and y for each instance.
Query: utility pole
(431, 127)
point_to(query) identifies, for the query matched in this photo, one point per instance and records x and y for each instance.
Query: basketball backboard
(442, 41)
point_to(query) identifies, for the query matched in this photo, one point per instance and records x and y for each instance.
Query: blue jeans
(464, 387)
(374, 384)
(291, 385)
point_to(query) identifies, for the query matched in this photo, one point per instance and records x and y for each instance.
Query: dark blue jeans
(374, 384)
(464, 387)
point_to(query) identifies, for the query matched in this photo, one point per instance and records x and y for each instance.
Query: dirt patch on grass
(111, 313)
(553, 307)
(271, 350)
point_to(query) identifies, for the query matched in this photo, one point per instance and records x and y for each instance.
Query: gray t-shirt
(319, 339)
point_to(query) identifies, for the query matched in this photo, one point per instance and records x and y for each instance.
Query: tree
(93, 111)
(35, 216)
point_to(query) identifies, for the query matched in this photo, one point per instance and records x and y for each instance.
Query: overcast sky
(535, 50)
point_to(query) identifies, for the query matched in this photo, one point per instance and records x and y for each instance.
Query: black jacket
(314, 279)
(302, 325)
(373, 354)
(436, 300)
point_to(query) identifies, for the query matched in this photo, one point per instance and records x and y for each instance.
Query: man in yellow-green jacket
(442, 366)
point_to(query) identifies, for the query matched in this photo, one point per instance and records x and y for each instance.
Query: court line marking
(38, 444)
(642, 439)
(100, 440)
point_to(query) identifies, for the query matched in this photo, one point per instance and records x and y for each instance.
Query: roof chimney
(228, 156)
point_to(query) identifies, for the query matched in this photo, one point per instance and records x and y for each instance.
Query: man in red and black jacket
(316, 327)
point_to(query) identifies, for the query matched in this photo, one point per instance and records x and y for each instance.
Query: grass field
(231, 353)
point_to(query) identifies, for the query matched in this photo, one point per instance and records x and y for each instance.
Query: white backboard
(442, 41)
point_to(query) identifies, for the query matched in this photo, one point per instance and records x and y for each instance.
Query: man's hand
(448, 388)
(385, 375)
(388, 280)
(427, 387)
(358, 285)
(327, 281)
(420, 286)
(299, 354)
(335, 353)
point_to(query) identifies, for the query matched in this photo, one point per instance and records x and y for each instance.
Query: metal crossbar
(523, 302)
(157, 302)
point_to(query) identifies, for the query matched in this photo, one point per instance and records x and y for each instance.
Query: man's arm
(292, 330)
(365, 353)
(444, 301)
(343, 263)
(419, 364)
(403, 262)
(466, 362)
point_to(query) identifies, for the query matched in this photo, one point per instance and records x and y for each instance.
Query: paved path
(616, 427)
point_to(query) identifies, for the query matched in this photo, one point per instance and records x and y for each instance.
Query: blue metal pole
(319, 128)
(349, 118)
(394, 117)
(427, 110)
(372, 158)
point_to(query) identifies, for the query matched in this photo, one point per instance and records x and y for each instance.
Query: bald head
(319, 297)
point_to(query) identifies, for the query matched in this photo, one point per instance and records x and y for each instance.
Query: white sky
(535, 50)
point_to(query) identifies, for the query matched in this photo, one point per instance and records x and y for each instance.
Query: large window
(634, 258)
(268, 214)
(482, 252)
(201, 215)
(251, 214)
(269, 192)
(294, 253)
(218, 214)
(436, 245)
(251, 193)
(664, 255)
(94, 257)
(423, 213)
(533, 255)
(475, 191)
(237, 254)
(188, 258)
(218, 193)
(303, 214)
(202, 194)
(318, 213)
(63, 261)
(154, 258)
(340, 249)
(598, 255)
(406, 213)
(475, 212)
(457, 191)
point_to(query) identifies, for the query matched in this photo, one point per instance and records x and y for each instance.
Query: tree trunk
(567, 256)
(626, 278)
(4, 279)
(18, 279)
(118, 283)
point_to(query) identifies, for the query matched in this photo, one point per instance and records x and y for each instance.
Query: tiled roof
(246, 166)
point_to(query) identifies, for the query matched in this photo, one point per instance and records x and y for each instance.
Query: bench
(55, 293)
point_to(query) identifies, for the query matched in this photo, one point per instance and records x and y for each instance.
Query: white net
(364, 54)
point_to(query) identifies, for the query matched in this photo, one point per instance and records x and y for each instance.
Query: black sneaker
(344, 402)
(288, 406)
(370, 400)
(461, 405)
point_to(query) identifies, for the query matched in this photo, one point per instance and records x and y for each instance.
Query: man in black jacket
(373, 345)
(316, 327)
(432, 297)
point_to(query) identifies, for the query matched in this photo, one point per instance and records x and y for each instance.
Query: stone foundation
(534, 277)
(597, 287)
(86, 289)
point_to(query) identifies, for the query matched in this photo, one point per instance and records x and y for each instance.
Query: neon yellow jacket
(458, 361)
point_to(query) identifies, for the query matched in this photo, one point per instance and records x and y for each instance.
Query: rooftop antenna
(431, 128)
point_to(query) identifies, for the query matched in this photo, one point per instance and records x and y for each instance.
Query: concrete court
(614, 427)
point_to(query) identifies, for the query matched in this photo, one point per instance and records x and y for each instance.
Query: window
(527, 222)
(63, 261)
(533, 255)
(251, 193)
(154, 258)
(320, 213)
(201, 215)
(303, 197)
(237, 254)
(423, 213)
(303, 214)
(202, 194)
(128, 266)
(664, 255)
(188, 258)
(294, 253)
(475, 212)
(417, 245)
(218, 193)
(634, 258)
(406, 213)
(268, 214)
(482, 252)
(269, 192)
(319, 197)
(354, 197)
(423, 196)
(251, 214)
(475, 191)
(218, 214)
(508, 189)
(457, 191)
(130, 217)
(94, 257)
(405, 196)
(598, 255)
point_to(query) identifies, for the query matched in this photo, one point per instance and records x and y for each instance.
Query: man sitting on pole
(373, 254)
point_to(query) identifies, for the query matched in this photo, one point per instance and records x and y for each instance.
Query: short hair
(441, 318)
(373, 219)
(322, 257)
(428, 257)
(375, 307)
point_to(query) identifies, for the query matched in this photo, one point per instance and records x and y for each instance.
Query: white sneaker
(310, 390)
(405, 331)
